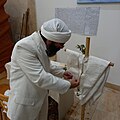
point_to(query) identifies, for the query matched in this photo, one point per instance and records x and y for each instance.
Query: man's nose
(61, 46)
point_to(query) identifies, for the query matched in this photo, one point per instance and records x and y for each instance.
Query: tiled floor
(106, 108)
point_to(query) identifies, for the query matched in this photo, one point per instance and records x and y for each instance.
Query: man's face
(53, 48)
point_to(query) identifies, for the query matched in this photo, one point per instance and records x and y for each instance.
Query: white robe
(31, 76)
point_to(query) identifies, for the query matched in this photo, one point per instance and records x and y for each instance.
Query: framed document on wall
(97, 1)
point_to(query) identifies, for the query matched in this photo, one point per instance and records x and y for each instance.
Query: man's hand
(67, 75)
(74, 83)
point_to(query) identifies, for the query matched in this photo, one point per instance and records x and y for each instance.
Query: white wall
(105, 45)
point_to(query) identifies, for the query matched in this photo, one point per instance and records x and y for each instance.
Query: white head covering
(56, 30)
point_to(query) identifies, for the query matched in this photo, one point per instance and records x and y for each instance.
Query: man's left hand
(67, 75)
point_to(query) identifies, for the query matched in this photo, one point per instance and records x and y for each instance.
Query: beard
(52, 50)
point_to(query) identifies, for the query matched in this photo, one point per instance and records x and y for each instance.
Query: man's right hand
(74, 83)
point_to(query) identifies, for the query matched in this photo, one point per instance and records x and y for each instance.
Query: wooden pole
(83, 107)
(87, 46)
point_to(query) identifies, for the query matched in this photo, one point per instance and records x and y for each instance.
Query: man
(32, 75)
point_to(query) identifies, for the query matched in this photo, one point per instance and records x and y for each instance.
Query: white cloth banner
(93, 78)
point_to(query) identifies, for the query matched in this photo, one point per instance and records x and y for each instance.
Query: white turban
(56, 30)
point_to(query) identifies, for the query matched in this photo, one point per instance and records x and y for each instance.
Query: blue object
(98, 1)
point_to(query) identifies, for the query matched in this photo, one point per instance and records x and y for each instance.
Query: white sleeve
(56, 69)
